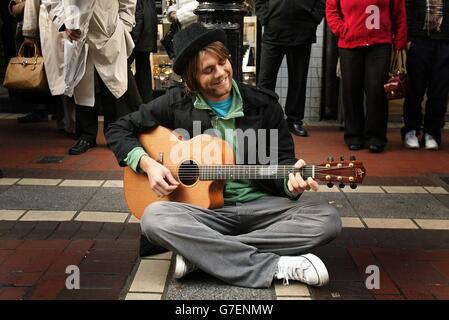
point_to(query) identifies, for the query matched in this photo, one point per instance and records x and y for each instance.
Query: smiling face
(210, 73)
(214, 76)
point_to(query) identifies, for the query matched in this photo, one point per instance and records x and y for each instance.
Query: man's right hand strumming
(160, 178)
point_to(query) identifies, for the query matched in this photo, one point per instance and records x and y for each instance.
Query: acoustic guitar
(203, 163)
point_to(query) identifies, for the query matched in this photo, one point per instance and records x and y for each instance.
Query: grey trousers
(241, 244)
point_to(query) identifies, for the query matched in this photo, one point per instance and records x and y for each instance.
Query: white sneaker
(182, 267)
(411, 140)
(307, 268)
(430, 142)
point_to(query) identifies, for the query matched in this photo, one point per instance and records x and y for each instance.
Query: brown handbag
(26, 73)
(397, 85)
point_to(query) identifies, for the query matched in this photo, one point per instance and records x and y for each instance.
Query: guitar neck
(250, 172)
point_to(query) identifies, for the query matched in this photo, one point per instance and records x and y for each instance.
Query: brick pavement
(414, 263)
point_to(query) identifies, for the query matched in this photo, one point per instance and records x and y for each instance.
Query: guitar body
(170, 150)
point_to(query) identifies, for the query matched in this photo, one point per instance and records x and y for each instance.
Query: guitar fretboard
(249, 172)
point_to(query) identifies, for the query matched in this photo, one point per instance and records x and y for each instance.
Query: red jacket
(354, 23)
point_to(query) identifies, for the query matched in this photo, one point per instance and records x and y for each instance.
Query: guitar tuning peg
(330, 159)
(353, 186)
(352, 158)
(330, 184)
(341, 185)
(341, 158)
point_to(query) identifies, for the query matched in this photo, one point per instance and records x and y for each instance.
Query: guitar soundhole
(188, 172)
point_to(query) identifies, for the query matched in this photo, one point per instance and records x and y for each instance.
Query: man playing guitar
(264, 230)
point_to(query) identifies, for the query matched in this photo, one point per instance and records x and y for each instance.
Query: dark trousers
(113, 108)
(298, 58)
(364, 72)
(144, 75)
(428, 69)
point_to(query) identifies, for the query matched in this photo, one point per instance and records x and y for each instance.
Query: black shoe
(81, 146)
(376, 149)
(355, 146)
(297, 129)
(34, 116)
(148, 248)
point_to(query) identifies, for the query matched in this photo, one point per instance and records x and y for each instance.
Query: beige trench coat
(110, 44)
(36, 23)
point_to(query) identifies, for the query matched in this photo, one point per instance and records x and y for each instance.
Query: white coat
(109, 45)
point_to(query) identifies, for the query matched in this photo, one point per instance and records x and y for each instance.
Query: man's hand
(160, 178)
(296, 183)
(72, 34)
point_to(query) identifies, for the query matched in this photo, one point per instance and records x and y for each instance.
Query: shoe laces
(293, 270)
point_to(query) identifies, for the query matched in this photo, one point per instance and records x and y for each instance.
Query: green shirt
(234, 190)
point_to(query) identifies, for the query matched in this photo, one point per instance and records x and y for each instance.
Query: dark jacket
(416, 14)
(175, 110)
(144, 33)
(290, 22)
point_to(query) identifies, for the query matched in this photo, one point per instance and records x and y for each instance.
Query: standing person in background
(37, 29)
(289, 30)
(185, 12)
(366, 31)
(145, 37)
(110, 44)
(428, 71)
(175, 26)
(7, 30)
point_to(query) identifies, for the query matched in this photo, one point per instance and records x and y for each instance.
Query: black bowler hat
(189, 41)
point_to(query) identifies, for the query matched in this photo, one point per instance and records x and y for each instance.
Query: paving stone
(143, 296)
(88, 230)
(436, 190)
(337, 200)
(43, 230)
(364, 189)
(42, 215)
(419, 206)
(294, 289)
(350, 222)
(444, 199)
(8, 182)
(48, 288)
(3, 188)
(201, 286)
(89, 294)
(404, 189)
(81, 183)
(108, 199)
(45, 198)
(39, 182)
(19, 230)
(433, 224)
(101, 216)
(342, 290)
(381, 223)
(151, 276)
(113, 184)
(66, 230)
(102, 281)
(11, 215)
(12, 293)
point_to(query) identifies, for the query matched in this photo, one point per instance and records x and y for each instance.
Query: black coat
(290, 22)
(175, 110)
(144, 33)
(416, 15)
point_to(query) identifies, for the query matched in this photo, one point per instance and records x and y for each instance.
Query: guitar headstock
(342, 172)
